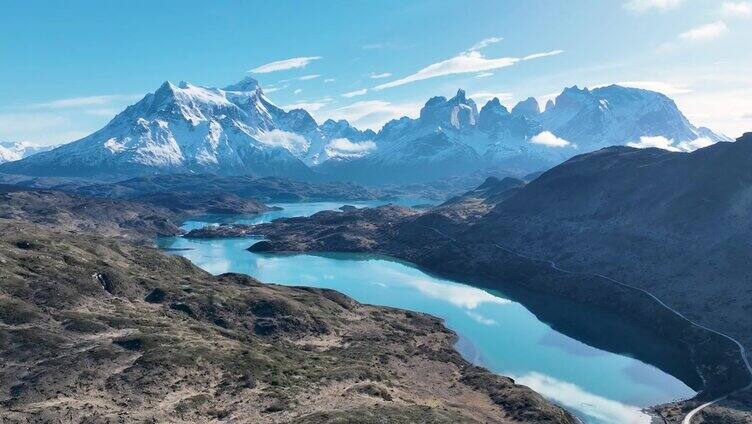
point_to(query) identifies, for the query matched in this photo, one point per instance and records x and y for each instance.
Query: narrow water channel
(581, 358)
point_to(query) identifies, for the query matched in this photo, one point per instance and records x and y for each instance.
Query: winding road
(742, 350)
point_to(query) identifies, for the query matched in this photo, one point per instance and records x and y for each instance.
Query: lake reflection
(495, 329)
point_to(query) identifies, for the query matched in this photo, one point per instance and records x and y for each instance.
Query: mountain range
(12, 151)
(237, 130)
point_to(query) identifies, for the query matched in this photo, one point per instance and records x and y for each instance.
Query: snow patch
(113, 146)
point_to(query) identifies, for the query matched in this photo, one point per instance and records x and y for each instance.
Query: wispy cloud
(544, 54)
(374, 114)
(484, 75)
(308, 77)
(644, 5)
(298, 91)
(356, 93)
(329, 80)
(381, 75)
(465, 62)
(272, 89)
(482, 44)
(741, 9)
(282, 65)
(705, 32)
(309, 106)
(75, 102)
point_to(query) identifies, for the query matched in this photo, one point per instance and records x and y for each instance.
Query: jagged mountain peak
(528, 108)
(494, 105)
(461, 96)
(457, 112)
(246, 84)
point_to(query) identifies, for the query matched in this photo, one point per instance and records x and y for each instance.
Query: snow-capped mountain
(187, 128)
(13, 151)
(616, 115)
(451, 136)
(238, 130)
(432, 146)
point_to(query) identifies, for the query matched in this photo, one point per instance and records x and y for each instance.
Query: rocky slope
(96, 330)
(268, 189)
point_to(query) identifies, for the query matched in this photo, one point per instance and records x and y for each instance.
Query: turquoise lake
(602, 369)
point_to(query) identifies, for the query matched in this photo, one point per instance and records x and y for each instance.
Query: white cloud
(309, 106)
(480, 318)
(329, 80)
(644, 5)
(374, 114)
(356, 93)
(465, 62)
(741, 9)
(281, 65)
(484, 75)
(572, 396)
(664, 143)
(658, 141)
(462, 296)
(298, 91)
(86, 101)
(381, 75)
(308, 77)
(544, 54)
(705, 32)
(344, 148)
(295, 143)
(482, 44)
(659, 86)
(547, 138)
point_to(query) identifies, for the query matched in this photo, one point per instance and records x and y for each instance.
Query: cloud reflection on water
(572, 396)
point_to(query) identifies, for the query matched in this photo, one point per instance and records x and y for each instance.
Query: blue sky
(67, 68)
